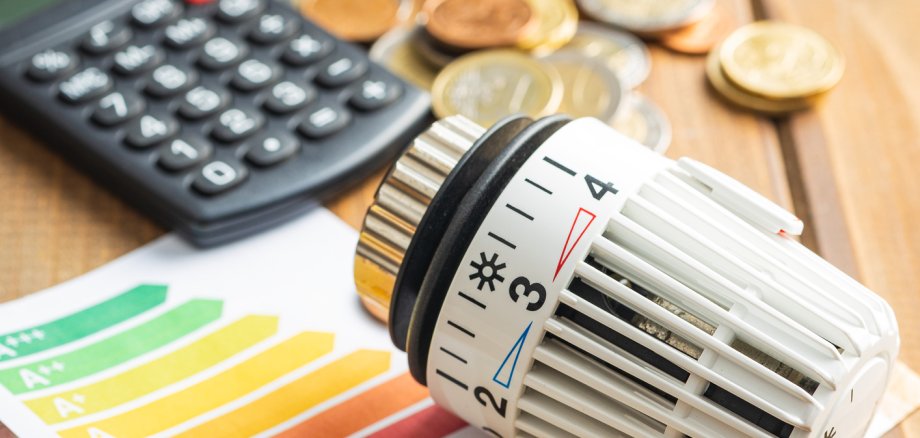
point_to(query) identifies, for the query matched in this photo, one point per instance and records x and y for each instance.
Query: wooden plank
(870, 126)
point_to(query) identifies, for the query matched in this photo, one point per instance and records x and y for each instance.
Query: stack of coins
(487, 59)
(774, 68)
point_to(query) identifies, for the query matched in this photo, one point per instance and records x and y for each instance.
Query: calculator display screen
(12, 11)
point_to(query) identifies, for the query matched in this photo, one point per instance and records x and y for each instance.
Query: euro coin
(644, 122)
(557, 22)
(479, 24)
(357, 20)
(589, 88)
(747, 100)
(699, 38)
(488, 85)
(621, 52)
(780, 60)
(647, 16)
(425, 46)
(395, 51)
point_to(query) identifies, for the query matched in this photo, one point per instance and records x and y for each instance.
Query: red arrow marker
(583, 220)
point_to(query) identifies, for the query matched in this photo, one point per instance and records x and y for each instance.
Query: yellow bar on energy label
(221, 389)
(156, 374)
(297, 396)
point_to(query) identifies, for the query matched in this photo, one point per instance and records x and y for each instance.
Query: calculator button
(341, 70)
(220, 53)
(235, 124)
(268, 150)
(287, 96)
(117, 107)
(323, 121)
(180, 154)
(85, 85)
(218, 176)
(234, 11)
(272, 28)
(133, 59)
(307, 49)
(153, 13)
(51, 64)
(254, 74)
(201, 102)
(150, 130)
(105, 37)
(168, 80)
(374, 93)
(188, 32)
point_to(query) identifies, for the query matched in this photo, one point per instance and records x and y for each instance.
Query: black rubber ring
(436, 219)
(471, 211)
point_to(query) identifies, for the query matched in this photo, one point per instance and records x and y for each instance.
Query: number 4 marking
(599, 188)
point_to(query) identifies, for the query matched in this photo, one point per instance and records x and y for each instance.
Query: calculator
(217, 118)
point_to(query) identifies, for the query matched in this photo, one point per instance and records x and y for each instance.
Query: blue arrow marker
(506, 371)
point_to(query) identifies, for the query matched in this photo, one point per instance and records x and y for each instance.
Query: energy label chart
(238, 341)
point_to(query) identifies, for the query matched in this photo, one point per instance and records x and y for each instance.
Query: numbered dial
(523, 254)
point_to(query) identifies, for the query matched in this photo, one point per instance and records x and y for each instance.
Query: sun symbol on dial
(487, 271)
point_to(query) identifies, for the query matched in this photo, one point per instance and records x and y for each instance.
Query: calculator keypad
(212, 94)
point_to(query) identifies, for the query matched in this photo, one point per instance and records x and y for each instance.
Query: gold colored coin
(396, 51)
(780, 60)
(557, 21)
(590, 89)
(489, 85)
(357, 20)
(750, 101)
(699, 38)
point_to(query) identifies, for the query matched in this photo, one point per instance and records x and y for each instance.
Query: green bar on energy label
(80, 324)
(112, 351)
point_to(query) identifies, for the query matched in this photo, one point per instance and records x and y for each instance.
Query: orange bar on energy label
(362, 410)
(297, 396)
(209, 394)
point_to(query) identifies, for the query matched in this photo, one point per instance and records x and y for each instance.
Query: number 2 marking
(481, 392)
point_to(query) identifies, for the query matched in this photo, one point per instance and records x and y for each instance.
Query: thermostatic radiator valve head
(554, 278)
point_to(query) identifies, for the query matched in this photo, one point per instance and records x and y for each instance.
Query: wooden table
(848, 168)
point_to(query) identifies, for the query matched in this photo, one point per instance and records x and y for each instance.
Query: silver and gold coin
(489, 85)
(644, 122)
(647, 16)
(780, 60)
(396, 51)
(589, 87)
(620, 51)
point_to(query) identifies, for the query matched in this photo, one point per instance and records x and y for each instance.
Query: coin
(557, 22)
(644, 122)
(623, 53)
(590, 88)
(699, 38)
(478, 24)
(647, 16)
(488, 85)
(395, 51)
(357, 20)
(746, 100)
(780, 60)
(423, 43)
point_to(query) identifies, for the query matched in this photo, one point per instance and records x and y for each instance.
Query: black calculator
(218, 118)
